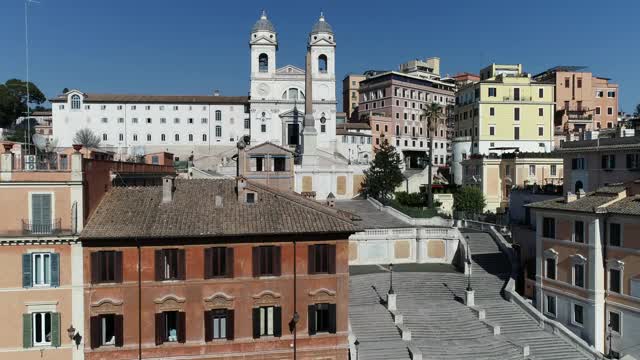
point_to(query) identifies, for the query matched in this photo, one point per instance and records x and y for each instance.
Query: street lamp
(391, 279)
(469, 264)
(610, 328)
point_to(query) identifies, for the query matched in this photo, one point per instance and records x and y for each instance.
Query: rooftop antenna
(26, 46)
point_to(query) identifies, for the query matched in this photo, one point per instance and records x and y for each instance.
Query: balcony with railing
(516, 98)
(53, 227)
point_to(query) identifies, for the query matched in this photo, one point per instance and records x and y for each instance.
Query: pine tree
(384, 174)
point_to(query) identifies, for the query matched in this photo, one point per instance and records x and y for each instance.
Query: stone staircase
(439, 326)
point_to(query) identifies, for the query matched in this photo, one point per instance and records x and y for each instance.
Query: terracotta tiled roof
(166, 99)
(354, 125)
(138, 212)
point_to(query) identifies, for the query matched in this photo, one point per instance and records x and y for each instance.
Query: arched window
(292, 94)
(218, 131)
(263, 62)
(148, 137)
(177, 137)
(75, 102)
(578, 186)
(322, 63)
(218, 115)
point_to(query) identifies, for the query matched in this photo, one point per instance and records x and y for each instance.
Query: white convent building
(277, 94)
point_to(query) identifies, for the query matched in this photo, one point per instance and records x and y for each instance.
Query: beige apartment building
(351, 93)
(583, 101)
(497, 175)
(598, 162)
(41, 293)
(588, 265)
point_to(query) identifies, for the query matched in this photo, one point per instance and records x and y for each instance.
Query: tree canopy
(469, 199)
(87, 138)
(384, 174)
(13, 100)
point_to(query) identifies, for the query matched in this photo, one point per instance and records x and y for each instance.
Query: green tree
(87, 138)
(13, 100)
(384, 174)
(435, 118)
(469, 199)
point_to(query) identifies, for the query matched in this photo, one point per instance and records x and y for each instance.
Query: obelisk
(309, 133)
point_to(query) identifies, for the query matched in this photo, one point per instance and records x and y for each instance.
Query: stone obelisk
(309, 132)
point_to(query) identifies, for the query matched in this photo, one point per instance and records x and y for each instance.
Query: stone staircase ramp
(379, 338)
(479, 349)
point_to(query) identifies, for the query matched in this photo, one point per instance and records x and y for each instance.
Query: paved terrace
(372, 218)
(429, 297)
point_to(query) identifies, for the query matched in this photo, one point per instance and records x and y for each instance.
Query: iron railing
(41, 228)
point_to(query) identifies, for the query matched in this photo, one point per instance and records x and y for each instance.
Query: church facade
(277, 95)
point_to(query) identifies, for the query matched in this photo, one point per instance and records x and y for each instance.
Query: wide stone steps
(486, 348)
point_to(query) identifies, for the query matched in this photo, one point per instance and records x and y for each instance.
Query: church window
(293, 94)
(263, 63)
(75, 102)
(322, 63)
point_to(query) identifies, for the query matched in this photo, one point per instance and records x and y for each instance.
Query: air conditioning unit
(30, 163)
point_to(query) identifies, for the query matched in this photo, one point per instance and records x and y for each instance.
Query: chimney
(570, 197)
(6, 162)
(580, 194)
(168, 189)
(216, 92)
(218, 201)
(76, 162)
(241, 184)
(331, 200)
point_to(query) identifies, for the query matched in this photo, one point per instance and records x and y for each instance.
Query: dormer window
(250, 198)
(75, 102)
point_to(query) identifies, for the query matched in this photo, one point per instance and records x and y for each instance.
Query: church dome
(263, 24)
(321, 26)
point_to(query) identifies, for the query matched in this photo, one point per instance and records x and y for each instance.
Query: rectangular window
(41, 221)
(257, 163)
(41, 269)
(203, 120)
(578, 275)
(219, 324)
(578, 314)
(218, 262)
(149, 120)
(492, 130)
(541, 93)
(635, 287)
(106, 267)
(266, 261)
(492, 111)
(579, 83)
(615, 235)
(614, 321)
(550, 268)
(218, 131)
(108, 336)
(120, 120)
(540, 131)
(554, 170)
(608, 161)
(268, 321)
(175, 107)
(611, 94)
(566, 82)
(492, 92)
(516, 114)
(322, 318)
(170, 264)
(247, 123)
(279, 164)
(609, 112)
(190, 120)
(516, 133)
(133, 107)
(41, 328)
(322, 259)
(293, 134)
(549, 228)
(615, 281)
(551, 305)
(516, 94)
(170, 327)
(106, 330)
(532, 170)
(121, 137)
(578, 231)
(540, 111)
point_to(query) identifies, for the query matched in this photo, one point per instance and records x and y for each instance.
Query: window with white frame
(578, 231)
(579, 273)
(204, 137)
(615, 322)
(550, 263)
(218, 131)
(41, 328)
(554, 170)
(163, 137)
(148, 137)
(634, 289)
(41, 269)
(135, 137)
(190, 137)
(121, 137)
(616, 268)
(218, 115)
(550, 305)
(577, 315)
(549, 228)
(75, 102)
(104, 137)
(532, 170)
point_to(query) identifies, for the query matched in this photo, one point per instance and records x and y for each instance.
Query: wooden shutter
(255, 259)
(182, 266)
(95, 332)
(311, 259)
(208, 254)
(256, 320)
(276, 261)
(119, 330)
(95, 267)
(55, 329)
(27, 332)
(182, 327)
(208, 325)
(55, 269)
(117, 263)
(158, 266)
(27, 274)
(332, 318)
(229, 255)
(331, 255)
(230, 324)
(277, 321)
(311, 319)
(159, 326)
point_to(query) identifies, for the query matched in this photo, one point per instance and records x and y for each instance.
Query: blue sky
(196, 46)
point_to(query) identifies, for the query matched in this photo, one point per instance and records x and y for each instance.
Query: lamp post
(469, 265)
(391, 279)
(609, 336)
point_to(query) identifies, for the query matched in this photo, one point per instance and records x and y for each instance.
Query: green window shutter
(41, 213)
(55, 269)
(27, 276)
(55, 329)
(27, 336)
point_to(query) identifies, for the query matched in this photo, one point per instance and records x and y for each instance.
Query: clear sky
(196, 46)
